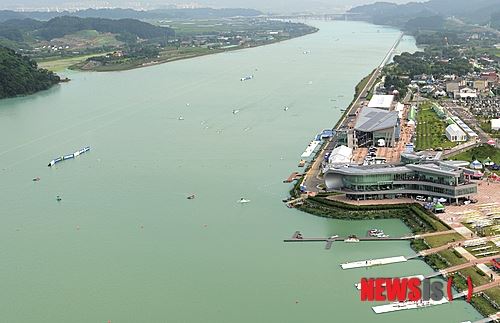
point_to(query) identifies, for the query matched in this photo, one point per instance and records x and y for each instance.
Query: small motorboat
(377, 233)
(243, 201)
(191, 197)
(285, 108)
(351, 239)
(58, 198)
(236, 111)
(36, 179)
(181, 118)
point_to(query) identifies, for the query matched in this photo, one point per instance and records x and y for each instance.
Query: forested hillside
(17, 29)
(20, 75)
(475, 12)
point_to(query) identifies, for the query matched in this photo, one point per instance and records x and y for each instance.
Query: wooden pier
(293, 176)
(297, 237)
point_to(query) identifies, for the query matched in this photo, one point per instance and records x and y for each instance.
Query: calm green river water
(125, 244)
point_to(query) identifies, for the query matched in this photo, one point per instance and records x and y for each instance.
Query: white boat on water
(243, 201)
(246, 78)
(377, 233)
(181, 118)
(351, 239)
(285, 108)
(235, 111)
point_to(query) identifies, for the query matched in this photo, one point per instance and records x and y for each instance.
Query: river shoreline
(124, 232)
(414, 216)
(80, 66)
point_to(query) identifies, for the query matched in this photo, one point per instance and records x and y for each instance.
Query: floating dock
(310, 149)
(69, 156)
(293, 176)
(373, 262)
(408, 305)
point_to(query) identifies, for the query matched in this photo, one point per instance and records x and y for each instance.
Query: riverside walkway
(390, 260)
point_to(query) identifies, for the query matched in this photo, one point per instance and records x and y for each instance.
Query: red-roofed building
(491, 77)
(496, 263)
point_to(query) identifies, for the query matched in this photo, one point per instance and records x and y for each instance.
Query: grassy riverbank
(165, 56)
(59, 64)
(413, 215)
(172, 53)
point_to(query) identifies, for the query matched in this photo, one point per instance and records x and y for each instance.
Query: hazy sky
(265, 5)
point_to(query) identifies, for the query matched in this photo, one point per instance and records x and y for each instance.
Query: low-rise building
(465, 93)
(381, 102)
(495, 124)
(455, 134)
(375, 124)
(480, 85)
(437, 179)
(454, 85)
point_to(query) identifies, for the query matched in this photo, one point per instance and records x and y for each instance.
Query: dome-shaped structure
(476, 165)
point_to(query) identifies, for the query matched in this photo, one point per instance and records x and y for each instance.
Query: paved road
(467, 265)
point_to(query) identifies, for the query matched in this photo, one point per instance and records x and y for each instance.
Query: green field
(440, 240)
(431, 130)
(58, 64)
(480, 153)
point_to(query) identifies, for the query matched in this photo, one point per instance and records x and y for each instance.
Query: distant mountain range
(20, 29)
(201, 13)
(410, 15)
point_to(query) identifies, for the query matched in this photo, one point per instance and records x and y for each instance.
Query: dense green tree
(20, 75)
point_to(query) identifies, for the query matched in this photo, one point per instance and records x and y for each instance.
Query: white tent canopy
(476, 165)
(495, 124)
(340, 155)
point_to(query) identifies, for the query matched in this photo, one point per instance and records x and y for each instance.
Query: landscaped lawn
(437, 241)
(480, 153)
(452, 257)
(431, 130)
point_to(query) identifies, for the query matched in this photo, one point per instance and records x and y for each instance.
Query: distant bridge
(324, 16)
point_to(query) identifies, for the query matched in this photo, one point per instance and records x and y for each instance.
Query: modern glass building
(438, 180)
